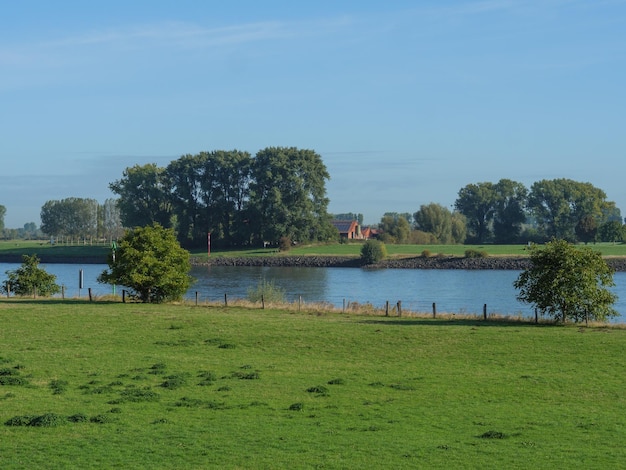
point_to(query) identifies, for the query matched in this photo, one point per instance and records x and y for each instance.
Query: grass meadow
(352, 249)
(111, 385)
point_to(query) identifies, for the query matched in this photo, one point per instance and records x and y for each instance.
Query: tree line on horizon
(280, 193)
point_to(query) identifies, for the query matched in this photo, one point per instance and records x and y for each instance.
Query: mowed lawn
(108, 385)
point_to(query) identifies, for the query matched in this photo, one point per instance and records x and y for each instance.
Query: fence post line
(387, 308)
(123, 296)
(262, 301)
(196, 298)
(399, 308)
(90, 295)
(434, 310)
(484, 311)
(226, 300)
(536, 316)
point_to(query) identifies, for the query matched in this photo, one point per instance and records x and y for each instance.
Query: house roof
(345, 226)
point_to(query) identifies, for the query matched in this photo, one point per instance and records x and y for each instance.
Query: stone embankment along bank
(502, 263)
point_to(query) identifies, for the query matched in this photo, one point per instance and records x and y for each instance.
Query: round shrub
(373, 251)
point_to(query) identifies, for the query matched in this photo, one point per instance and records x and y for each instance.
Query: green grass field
(19, 247)
(174, 386)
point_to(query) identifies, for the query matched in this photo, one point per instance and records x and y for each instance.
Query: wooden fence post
(225, 300)
(123, 296)
(387, 308)
(90, 295)
(399, 308)
(434, 310)
(485, 311)
(196, 298)
(262, 301)
(536, 316)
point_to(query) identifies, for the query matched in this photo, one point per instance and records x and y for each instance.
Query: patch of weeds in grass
(101, 419)
(197, 403)
(225, 388)
(296, 406)
(493, 435)
(8, 371)
(377, 384)
(48, 420)
(8, 395)
(58, 386)
(246, 375)
(319, 390)
(116, 383)
(23, 420)
(337, 381)
(174, 381)
(227, 346)
(5, 360)
(139, 395)
(77, 418)
(160, 421)
(104, 390)
(12, 380)
(208, 378)
(115, 410)
(174, 326)
(158, 368)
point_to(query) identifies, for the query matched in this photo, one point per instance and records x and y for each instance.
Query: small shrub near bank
(373, 251)
(426, 254)
(473, 253)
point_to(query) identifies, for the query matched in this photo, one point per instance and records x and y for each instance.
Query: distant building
(351, 230)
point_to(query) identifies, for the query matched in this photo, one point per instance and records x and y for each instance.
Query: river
(453, 291)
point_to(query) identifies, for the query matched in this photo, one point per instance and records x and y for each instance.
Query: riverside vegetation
(101, 385)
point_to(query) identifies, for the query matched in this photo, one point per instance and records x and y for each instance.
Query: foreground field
(151, 386)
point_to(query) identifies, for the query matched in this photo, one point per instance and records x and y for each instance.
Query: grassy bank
(154, 386)
(42, 249)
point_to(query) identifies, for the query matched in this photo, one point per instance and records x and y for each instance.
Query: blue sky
(406, 101)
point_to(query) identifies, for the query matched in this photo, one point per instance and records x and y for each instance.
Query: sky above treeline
(406, 101)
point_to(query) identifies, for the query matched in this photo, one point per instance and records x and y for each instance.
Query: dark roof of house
(343, 226)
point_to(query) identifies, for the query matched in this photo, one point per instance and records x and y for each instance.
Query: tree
(71, 217)
(112, 227)
(560, 204)
(143, 196)
(288, 196)
(150, 262)
(373, 251)
(568, 282)
(477, 203)
(612, 231)
(436, 219)
(30, 279)
(509, 210)
(3, 212)
(586, 229)
(395, 228)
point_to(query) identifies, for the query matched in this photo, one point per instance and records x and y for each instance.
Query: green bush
(30, 279)
(426, 254)
(473, 253)
(373, 251)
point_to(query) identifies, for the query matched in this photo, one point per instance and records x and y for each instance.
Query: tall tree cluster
(76, 218)
(239, 199)
(558, 208)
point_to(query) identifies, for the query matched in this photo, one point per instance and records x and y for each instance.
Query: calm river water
(454, 291)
